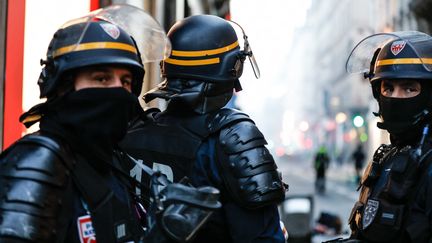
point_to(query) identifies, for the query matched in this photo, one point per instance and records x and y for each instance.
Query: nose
(398, 92)
(116, 81)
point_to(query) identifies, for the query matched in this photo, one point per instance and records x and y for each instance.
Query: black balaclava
(94, 119)
(404, 118)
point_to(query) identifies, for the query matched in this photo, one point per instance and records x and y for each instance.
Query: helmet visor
(248, 51)
(359, 60)
(150, 37)
(252, 59)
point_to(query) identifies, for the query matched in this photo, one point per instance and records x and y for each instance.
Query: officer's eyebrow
(409, 83)
(108, 69)
(387, 83)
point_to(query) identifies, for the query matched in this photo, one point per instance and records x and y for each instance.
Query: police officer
(60, 184)
(196, 138)
(395, 203)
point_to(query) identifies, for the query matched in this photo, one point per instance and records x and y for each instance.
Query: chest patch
(85, 230)
(369, 212)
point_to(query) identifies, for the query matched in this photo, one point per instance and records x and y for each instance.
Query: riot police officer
(395, 203)
(196, 138)
(61, 183)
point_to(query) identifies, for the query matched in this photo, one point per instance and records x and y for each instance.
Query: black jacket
(49, 192)
(395, 203)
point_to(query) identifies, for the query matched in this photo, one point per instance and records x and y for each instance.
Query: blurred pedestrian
(321, 162)
(395, 202)
(358, 157)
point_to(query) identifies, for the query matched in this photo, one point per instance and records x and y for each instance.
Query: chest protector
(388, 188)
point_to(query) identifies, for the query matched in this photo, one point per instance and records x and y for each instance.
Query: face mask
(96, 117)
(402, 115)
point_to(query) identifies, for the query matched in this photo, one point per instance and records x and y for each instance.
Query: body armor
(32, 191)
(249, 171)
(38, 196)
(389, 190)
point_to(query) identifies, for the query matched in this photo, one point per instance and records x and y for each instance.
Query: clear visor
(248, 51)
(359, 60)
(150, 37)
(251, 57)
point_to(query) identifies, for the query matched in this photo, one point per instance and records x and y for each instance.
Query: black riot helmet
(117, 35)
(397, 56)
(101, 43)
(205, 64)
(399, 60)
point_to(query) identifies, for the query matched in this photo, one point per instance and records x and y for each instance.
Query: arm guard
(248, 169)
(33, 177)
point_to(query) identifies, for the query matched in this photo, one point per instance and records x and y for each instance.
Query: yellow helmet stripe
(404, 61)
(205, 52)
(93, 46)
(192, 62)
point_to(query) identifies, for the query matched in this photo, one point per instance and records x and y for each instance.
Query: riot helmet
(397, 56)
(105, 36)
(102, 43)
(118, 35)
(204, 66)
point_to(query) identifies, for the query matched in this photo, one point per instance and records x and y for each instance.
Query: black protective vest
(170, 142)
(389, 187)
(166, 144)
(40, 183)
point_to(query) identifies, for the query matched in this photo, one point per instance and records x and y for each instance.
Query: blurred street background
(303, 101)
(338, 199)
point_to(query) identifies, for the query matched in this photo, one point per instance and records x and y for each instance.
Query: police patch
(369, 212)
(85, 230)
(397, 47)
(111, 30)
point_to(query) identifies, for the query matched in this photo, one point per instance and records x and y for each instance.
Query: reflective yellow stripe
(193, 62)
(204, 52)
(404, 61)
(94, 45)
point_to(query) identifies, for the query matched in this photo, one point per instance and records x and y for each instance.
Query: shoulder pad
(241, 136)
(225, 117)
(37, 157)
(383, 151)
(251, 177)
(33, 177)
(248, 169)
